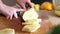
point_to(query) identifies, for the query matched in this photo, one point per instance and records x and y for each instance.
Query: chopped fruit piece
(31, 28)
(37, 21)
(7, 31)
(30, 14)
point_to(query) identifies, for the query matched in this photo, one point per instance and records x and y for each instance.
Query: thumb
(30, 4)
(19, 9)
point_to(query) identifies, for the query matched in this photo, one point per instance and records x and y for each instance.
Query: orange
(46, 6)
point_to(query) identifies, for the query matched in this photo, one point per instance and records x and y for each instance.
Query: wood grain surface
(48, 21)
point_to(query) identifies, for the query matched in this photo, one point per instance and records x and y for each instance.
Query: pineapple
(7, 31)
(34, 22)
(30, 14)
(31, 21)
(31, 28)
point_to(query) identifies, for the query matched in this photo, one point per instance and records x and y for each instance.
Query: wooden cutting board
(16, 24)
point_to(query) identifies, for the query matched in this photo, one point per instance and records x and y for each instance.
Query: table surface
(49, 20)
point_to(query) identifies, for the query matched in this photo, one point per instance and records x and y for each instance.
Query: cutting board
(46, 24)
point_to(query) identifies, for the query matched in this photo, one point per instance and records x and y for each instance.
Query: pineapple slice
(31, 21)
(37, 21)
(30, 14)
(31, 28)
(7, 31)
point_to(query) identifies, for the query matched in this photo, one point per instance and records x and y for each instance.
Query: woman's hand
(9, 12)
(22, 3)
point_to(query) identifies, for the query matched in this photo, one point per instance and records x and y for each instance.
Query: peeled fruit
(30, 14)
(31, 21)
(31, 28)
(46, 6)
(7, 31)
(37, 6)
(34, 22)
(31, 25)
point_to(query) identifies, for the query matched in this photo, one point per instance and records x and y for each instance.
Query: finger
(30, 4)
(15, 15)
(11, 17)
(7, 17)
(17, 9)
(20, 10)
(23, 5)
